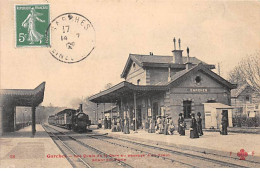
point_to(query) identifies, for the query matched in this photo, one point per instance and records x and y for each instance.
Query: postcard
(130, 84)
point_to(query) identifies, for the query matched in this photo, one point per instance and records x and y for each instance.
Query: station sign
(198, 90)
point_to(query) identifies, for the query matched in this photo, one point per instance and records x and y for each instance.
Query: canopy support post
(135, 112)
(33, 121)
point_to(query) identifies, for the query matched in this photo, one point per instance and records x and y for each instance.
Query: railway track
(131, 161)
(146, 148)
(78, 160)
(71, 160)
(177, 158)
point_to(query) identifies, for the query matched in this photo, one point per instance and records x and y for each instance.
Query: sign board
(250, 107)
(149, 112)
(198, 90)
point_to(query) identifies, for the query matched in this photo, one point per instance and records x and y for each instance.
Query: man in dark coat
(181, 125)
(224, 123)
(193, 130)
(105, 123)
(200, 132)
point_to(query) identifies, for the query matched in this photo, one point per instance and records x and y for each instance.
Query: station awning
(22, 97)
(125, 90)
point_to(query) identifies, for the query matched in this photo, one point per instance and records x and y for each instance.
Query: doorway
(187, 109)
(155, 110)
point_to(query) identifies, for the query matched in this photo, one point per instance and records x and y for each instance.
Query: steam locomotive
(73, 119)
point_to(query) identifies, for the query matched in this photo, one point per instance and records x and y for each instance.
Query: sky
(215, 31)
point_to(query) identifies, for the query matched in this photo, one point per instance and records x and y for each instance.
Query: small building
(214, 112)
(246, 101)
(158, 85)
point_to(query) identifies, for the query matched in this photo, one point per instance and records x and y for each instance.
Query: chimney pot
(179, 44)
(174, 41)
(151, 53)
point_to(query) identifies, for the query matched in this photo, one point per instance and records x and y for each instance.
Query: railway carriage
(52, 120)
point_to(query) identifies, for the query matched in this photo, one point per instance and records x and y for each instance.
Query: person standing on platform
(224, 124)
(200, 132)
(193, 129)
(166, 125)
(158, 121)
(109, 122)
(105, 123)
(134, 124)
(114, 124)
(118, 128)
(181, 125)
(99, 123)
(126, 126)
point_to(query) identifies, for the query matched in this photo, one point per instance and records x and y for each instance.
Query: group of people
(164, 125)
(195, 128)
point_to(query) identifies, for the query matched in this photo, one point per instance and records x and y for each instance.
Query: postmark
(73, 37)
(31, 22)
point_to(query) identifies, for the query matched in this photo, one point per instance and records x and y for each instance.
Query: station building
(158, 85)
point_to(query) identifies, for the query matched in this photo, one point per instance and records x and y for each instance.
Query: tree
(247, 71)
(250, 69)
(235, 76)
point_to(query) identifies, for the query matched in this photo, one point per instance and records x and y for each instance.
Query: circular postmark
(72, 37)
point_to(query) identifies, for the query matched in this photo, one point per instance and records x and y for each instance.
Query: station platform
(19, 150)
(210, 142)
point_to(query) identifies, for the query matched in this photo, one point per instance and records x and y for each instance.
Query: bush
(244, 121)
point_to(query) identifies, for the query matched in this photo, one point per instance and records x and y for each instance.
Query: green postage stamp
(32, 22)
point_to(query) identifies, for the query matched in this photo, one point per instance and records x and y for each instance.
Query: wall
(136, 73)
(208, 88)
(159, 75)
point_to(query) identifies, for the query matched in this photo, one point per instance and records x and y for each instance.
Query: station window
(247, 98)
(187, 108)
(198, 79)
(138, 81)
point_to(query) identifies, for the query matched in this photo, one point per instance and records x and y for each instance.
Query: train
(71, 119)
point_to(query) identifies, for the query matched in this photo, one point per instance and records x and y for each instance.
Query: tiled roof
(159, 61)
(162, 59)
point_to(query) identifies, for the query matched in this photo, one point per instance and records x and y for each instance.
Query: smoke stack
(80, 108)
(177, 54)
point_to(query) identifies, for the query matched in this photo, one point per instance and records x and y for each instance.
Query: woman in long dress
(33, 35)
(200, 132)
(181, 125)
(193, 130)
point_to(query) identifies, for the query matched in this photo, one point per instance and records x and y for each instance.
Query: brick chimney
(177, 54)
